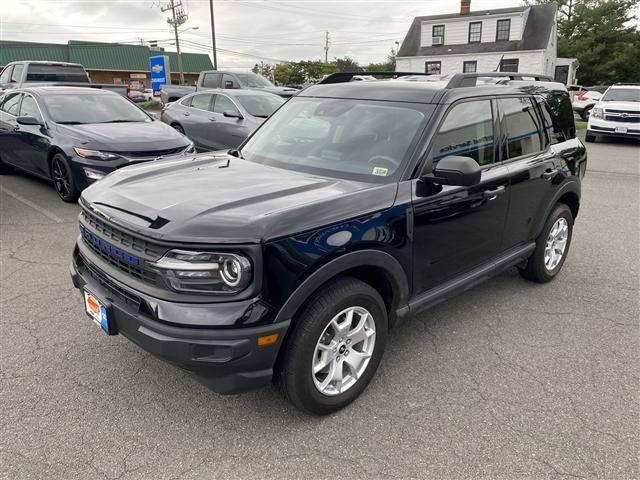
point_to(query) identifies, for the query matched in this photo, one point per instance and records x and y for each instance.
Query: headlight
(94, 154)
(597, 112)
(190, 149)
(205, 272)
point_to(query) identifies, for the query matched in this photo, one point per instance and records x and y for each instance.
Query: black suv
(355, 205)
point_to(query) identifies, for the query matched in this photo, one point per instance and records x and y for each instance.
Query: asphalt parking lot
(511, 380)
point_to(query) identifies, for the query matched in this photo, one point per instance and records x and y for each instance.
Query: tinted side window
(11, 104)
(202, 101)
(522, 128)
(223, 103)
(5, 76)
(229, 81)
(559, 108)
(16, 76)
(467, 131)
(211, 80)
(29, 108)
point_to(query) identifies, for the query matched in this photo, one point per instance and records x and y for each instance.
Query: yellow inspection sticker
(381, 171)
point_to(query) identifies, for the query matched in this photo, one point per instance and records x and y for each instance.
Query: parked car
(586, 99)
(35, 73)
(617, 113)
(148, 95)
(225, 79)
(220, 119)
(137, 96)
(352, 207)
(75, 136)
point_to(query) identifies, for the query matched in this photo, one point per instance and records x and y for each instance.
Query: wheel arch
(374, 267)
(568, 194)
(53, 151)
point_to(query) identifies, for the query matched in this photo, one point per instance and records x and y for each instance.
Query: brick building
(107, 62)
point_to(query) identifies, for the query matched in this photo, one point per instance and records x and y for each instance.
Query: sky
(247, 31)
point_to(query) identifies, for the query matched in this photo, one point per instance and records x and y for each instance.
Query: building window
(503, 30)
(475, 32)
(509, 65)
(470, 67)
(433, 68)
(438, 31)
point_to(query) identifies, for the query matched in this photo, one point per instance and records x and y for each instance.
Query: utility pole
(213, 36)
(326, 47)
(178, 17)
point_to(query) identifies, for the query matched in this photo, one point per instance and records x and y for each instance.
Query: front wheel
(63, 179)
(335, 347)
(552, 246)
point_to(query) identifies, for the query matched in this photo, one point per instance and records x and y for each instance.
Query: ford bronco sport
(355, 205)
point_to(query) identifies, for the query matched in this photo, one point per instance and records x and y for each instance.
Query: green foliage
(152, 105)
(263, 69)
(601, 34)
(388, 66)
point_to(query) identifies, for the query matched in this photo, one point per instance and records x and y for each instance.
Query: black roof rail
(343, 77)
(469, 79)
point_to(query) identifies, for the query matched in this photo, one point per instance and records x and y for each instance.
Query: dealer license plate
(621, 129)
(97, 311)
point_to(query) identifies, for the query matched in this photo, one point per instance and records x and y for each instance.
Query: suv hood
(625, 106)
(125, 137)
(218, 198)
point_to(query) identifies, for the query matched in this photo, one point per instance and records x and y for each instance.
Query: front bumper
(227, 361)
(598, 126)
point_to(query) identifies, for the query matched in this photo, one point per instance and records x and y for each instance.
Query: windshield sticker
(381, 171)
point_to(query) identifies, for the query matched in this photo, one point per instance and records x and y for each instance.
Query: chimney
(465, 7)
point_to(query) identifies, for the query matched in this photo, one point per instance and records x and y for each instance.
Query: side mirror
(232, 114)
(455, 170)
(29, 121)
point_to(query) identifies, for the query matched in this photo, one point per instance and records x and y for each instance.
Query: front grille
(152, 153)
(128, 241)
(106, 283)
(621, 118)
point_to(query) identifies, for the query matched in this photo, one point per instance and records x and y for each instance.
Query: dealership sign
(160, 71)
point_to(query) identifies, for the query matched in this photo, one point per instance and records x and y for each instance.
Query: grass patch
(153, 105)
(581, 125)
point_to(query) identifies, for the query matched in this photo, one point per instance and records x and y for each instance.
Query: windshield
(260, 105)
(252, 80)
(56, 73)
(622, 95)
(353, 139)
(92, 108)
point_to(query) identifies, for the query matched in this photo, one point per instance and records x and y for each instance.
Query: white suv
(617, 114)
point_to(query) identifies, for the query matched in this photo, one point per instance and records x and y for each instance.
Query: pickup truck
(37, 73)
(224, 79)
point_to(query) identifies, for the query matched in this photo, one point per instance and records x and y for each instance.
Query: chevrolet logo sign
(157, 68)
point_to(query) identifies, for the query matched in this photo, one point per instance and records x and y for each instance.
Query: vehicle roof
(47, 62)
(231, 91)
(425, 91)
(625, 85)
(59, 89)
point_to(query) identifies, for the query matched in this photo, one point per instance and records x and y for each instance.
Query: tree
(263, 69)
(388, 66)
(347, 64)
(602, 36)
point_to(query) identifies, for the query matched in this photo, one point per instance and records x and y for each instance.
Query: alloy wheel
(556, 243)
(343, 351)
(60, 175)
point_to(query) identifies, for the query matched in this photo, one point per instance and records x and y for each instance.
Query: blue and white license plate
(97, 311)
(621, 129)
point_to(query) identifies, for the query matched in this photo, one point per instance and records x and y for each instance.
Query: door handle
(549, 174)
(493, 193)
(186, 114)
(212, 119)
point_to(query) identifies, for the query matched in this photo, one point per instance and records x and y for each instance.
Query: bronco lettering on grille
(108, 248)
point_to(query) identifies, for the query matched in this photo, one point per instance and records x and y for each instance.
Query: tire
(179, 128)
(590, 138)
(4, 168)
(542, 267)
(585, 113)
(316, 324)
(62, 177)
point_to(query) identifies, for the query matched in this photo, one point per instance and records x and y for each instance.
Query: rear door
(459, 228)
(9, 111)
(532, 164)
(196, 119)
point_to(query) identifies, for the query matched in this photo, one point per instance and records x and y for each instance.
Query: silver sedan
(220, 119)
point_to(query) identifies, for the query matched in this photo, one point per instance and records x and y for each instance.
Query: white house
(518, 39)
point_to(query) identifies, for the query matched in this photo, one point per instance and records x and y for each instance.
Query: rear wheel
(552, 246)
(63, 179)
(335, 347)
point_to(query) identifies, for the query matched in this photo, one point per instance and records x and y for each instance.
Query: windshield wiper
(261, 116)
(122, 121)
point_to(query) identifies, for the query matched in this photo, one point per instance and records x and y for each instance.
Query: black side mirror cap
(29, 121)
(232, 114)
(455, 170)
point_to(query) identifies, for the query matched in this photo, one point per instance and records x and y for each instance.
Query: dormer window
(475, 32)
(503, 30)
(437, 33)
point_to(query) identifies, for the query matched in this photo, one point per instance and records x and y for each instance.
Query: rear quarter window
(557, 113)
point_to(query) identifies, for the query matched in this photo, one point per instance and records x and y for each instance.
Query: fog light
(93, 174)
